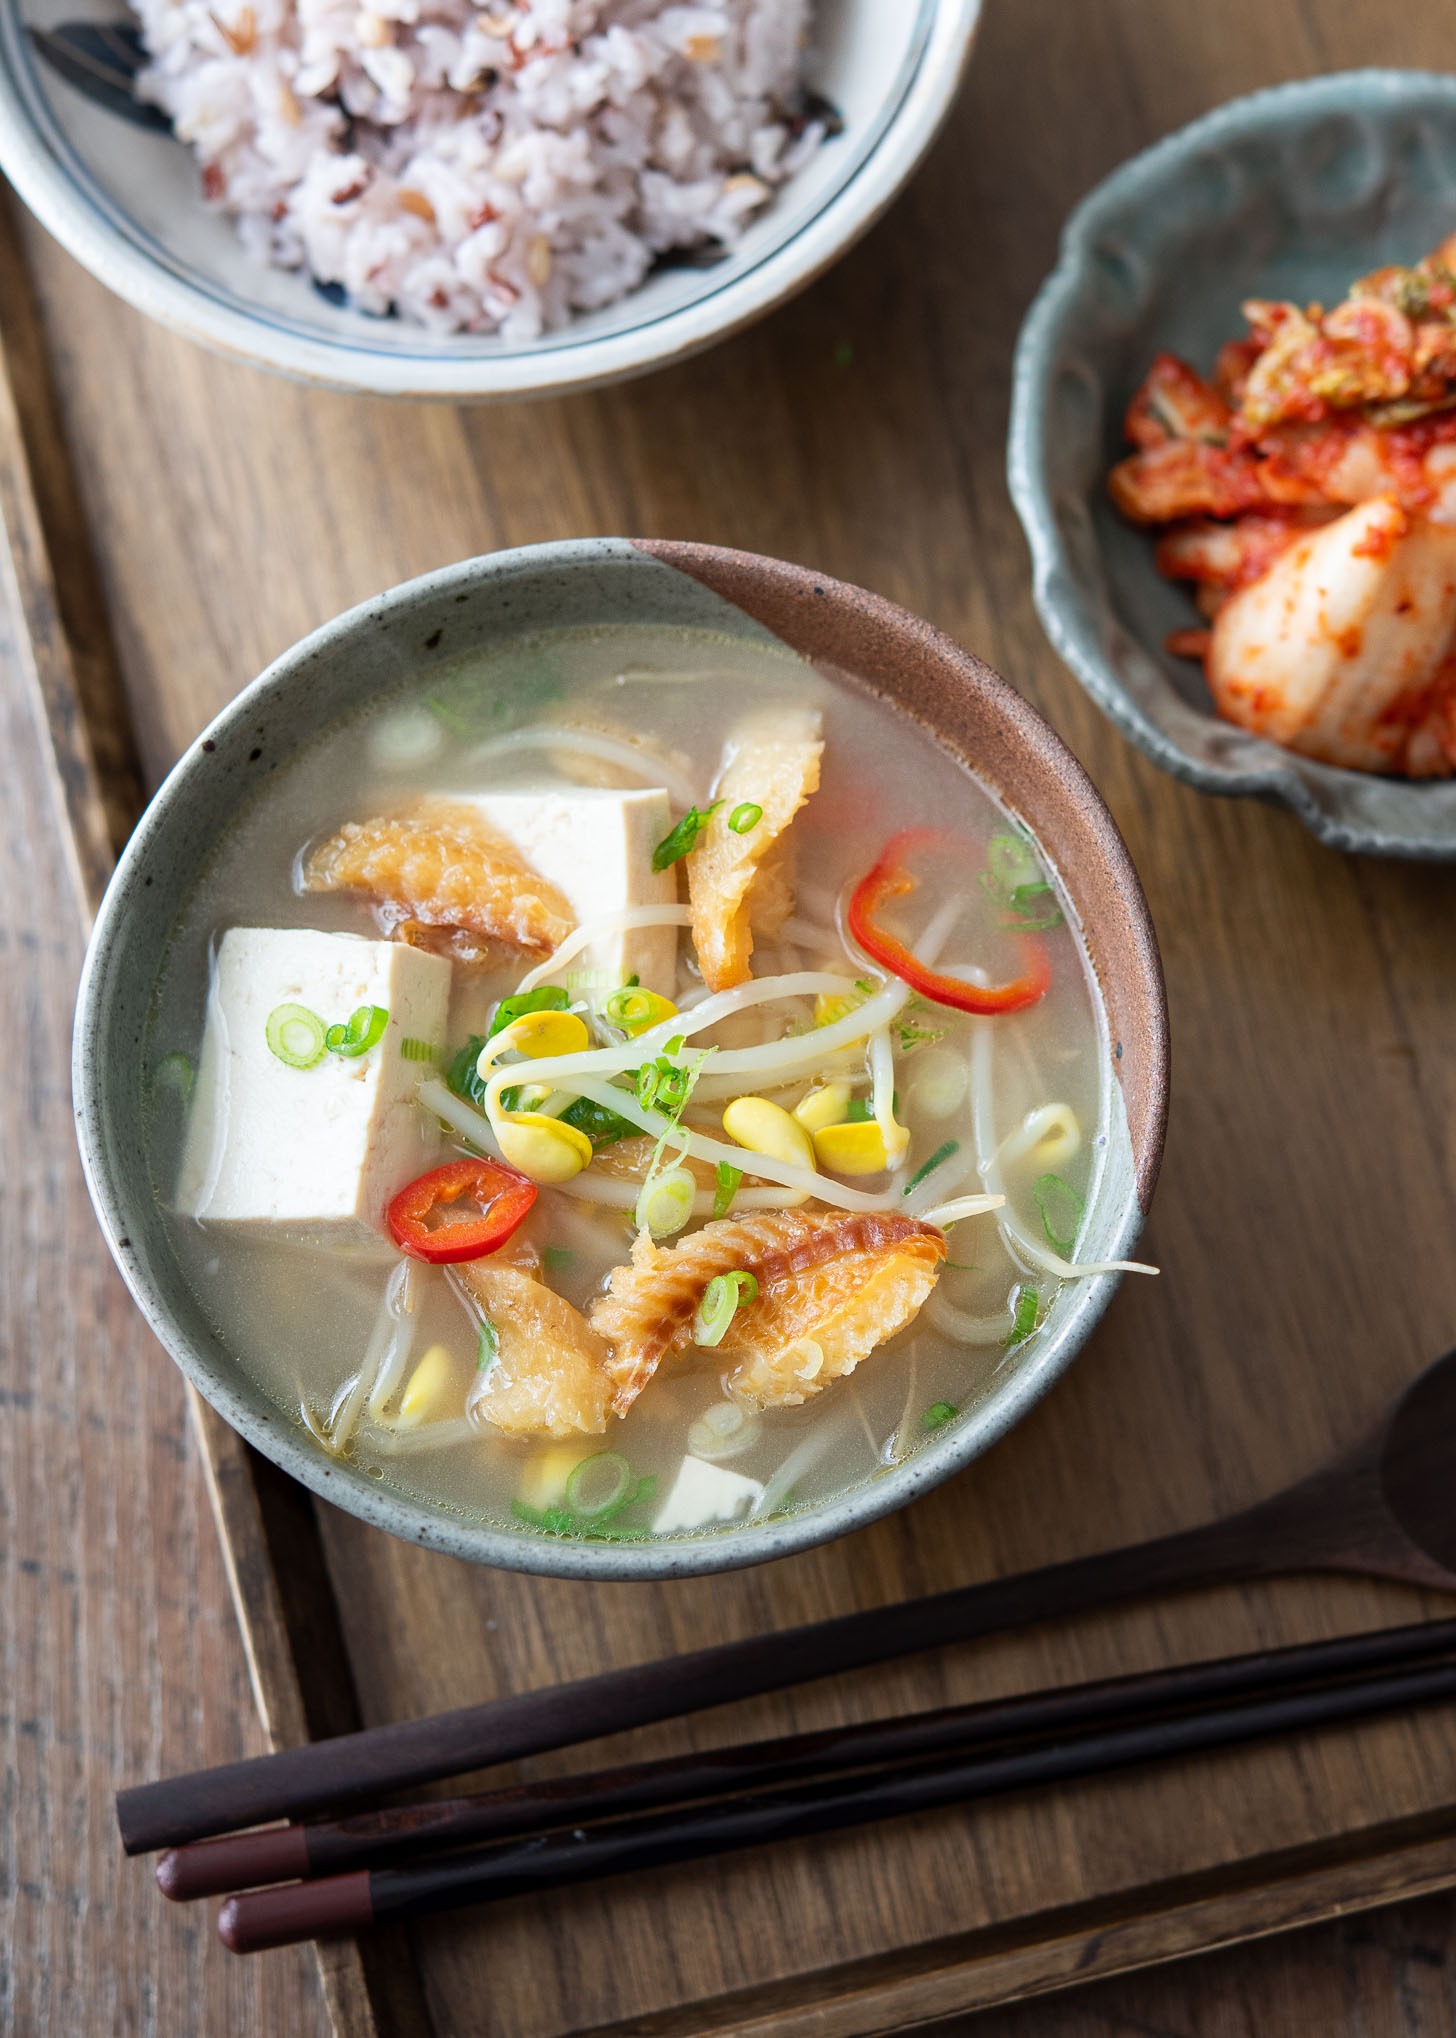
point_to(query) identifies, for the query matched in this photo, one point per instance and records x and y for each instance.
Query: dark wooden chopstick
(354, 1769)
(373, 1839)
(351, 1903)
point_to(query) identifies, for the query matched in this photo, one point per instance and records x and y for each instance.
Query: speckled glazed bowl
(914, 669)
(122, 196)
(1289, 193)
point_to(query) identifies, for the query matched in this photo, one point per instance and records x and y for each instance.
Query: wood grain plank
(1058, 1950)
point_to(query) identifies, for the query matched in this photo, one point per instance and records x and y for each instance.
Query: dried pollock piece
(548, 1376)
(737, 881)
(442, 879)
(798, 1339)
(842, 1280)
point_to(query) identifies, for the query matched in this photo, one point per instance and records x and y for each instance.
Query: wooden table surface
(118, 1652)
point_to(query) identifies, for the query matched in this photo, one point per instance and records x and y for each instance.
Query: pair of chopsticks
(406, 1862)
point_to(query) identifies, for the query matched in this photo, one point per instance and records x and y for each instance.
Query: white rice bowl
(106, 173)
(483, 171)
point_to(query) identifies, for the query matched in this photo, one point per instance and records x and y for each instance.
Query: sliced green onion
(598, 1487)
(587, 1513)
(676, 1044)
(666, 1204)
(939, 1414)
(607, 1528)
(556, 1257)
(1029, 910)
(1014, 877)
(546, 998)
(1061, 1212)
(1010, 861)
(664, 1085)
(723, 1431)
(729, 1181)
(723, 1297)
(175, 1072)
(679, 840)
(362, 1030)
(672, 1091)
(418, 1050)
(487, 1351)
(942, 1154)
(745, 817)
(628, 1007)
(1023, 1315)
(555, 1520)
(296, 1036)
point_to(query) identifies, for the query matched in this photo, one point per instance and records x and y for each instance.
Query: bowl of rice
(467, 199)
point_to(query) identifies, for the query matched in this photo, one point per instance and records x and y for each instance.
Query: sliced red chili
(890, 880)
(504, 1197)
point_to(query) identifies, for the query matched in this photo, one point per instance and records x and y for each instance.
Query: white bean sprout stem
(899, 1444)
(349, 1403)
(614, 1192)
(1012, 1229)
(780, 1060)
(400, 1299)
(945, 1214)
(962, 1327)
(647, 765)
(627, 922)
(429, 1436)
(807, 1180)
(462, 1118)
(882, 1098)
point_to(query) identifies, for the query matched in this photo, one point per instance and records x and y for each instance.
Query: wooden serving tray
(174, 520)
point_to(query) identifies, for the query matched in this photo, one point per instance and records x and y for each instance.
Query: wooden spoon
(1386, 1509)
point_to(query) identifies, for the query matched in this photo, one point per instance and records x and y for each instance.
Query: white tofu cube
(703, 1494)
(317, 1151)
(595, 845)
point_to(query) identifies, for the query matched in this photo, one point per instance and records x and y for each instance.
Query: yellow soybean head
(543, 1148)
(1058, 1135)
(830, 1006)
(857, 1149)
(768, 1129)
(538, 1034)
(825, 1106)
(435, 1390)
(636, 1010)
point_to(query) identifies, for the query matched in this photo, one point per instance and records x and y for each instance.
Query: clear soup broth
(551, 1386)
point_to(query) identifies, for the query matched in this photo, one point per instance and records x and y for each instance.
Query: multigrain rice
(489, 168)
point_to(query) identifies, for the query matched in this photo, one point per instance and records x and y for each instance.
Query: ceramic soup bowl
(915, 673)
